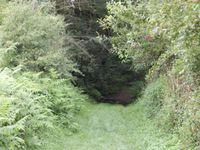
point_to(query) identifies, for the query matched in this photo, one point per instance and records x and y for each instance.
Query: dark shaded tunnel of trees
(104, 76)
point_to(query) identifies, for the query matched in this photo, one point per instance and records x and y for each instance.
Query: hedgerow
(162, 38)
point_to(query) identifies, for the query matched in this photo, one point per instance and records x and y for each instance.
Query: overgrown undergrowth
(36, 90)
(32, 104)
(174, 109)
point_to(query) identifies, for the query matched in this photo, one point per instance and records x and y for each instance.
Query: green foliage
(162, 38)
(34, 95)
(33, 103)
(103, 71)
(33, 36)
(24, 114)
(82, 15)
(131, 39)
(2, 5)
(37, 94)
(174, 109)
(66, 100)
(153, 96)
(180, 27)
(156, 34)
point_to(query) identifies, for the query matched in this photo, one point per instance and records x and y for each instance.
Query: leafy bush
(33, 36)
(131, 39)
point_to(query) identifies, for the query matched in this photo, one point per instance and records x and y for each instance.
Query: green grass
(113, 127)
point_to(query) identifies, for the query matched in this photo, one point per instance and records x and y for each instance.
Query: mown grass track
(114, 127)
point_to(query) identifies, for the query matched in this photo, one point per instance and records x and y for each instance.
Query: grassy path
(112, 127)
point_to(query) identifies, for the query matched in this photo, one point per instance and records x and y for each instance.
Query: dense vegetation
(91, 51)
(55, 53)
(163, 38)
(35, 79)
